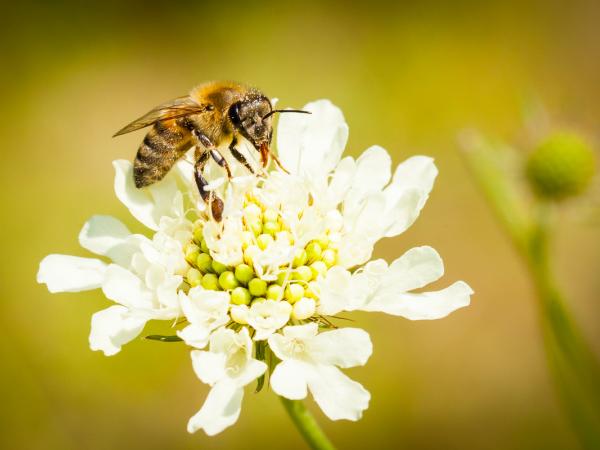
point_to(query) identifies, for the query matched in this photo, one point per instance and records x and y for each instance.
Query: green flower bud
(257, 287)
(274, 292)
(293, 293)
(318, 268)
(204, 262)
(264, 240)
(258, 300)
(193, 276)
(329, 257)
(210, 281)
(282, 277)
(561, 167)
(300, 258)
(191, 252)
(228, 281)
(313, 251)
(198, 235)
(244, 273)
(311, 290)
(218, 267)
(240, 296)
(302, 273)
(204, 247)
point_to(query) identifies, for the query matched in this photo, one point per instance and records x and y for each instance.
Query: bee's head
(251, 117)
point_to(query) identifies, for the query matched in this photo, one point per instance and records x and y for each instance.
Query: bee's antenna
(285, 111)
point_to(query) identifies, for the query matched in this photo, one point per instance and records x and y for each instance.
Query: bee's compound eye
(234, 114)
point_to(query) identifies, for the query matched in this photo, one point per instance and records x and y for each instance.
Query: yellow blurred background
(408, 76)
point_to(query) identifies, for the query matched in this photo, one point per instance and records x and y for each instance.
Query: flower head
(562, 166)
(261, 285)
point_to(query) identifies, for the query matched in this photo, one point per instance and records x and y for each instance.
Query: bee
(213, 117)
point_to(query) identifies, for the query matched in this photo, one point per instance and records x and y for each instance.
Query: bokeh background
(408, 76)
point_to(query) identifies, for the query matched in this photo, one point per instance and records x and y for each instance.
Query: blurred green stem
(307, 425)
(572, 363)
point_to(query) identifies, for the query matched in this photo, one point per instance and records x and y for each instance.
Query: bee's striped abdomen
(164, 144)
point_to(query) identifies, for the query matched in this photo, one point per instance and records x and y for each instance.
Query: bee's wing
(181, 106)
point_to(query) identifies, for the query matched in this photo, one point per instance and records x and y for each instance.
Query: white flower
(267, 317)
(309, 360)
(227, 367)
(206, 311)
(291, 251)
(377, 287)
(144, 276)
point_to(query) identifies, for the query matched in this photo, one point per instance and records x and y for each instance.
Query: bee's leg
(216, 204)
(220, 160)
(212, 150)
(237, 155)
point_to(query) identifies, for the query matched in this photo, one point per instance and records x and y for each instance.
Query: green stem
(307, 425)
(575, 369)
(571, 361)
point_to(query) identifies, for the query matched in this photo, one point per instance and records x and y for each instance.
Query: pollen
(265, 232)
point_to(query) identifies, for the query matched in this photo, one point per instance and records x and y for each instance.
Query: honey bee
(214, 116)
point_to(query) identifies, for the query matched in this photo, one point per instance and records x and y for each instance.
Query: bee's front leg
(209, 197)
(238, 155)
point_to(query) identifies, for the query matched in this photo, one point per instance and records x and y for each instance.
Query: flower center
(265, 239)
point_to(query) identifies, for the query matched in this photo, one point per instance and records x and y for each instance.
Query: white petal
(114, 327)
(223, 338)
(204, 307)
(148, 204)
(251, 371)
(209, 366)
(306, 331)
(309, 143)
(289, 380)
(267, 317)
(338, 396)
(341, 181)
(345, 347)
(194, 335)
(220, 410)
(426, 305)
(334, 289)
(103, 235)
(122, 286)
(373, 170)
(353, 250)
(416, 171)
(136, 200)
(407, 193)
(399, 216)
(65, 273)
(416, 268)
(366, 223)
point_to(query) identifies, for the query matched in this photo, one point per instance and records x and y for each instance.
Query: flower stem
(571, 361)
(307, 425)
